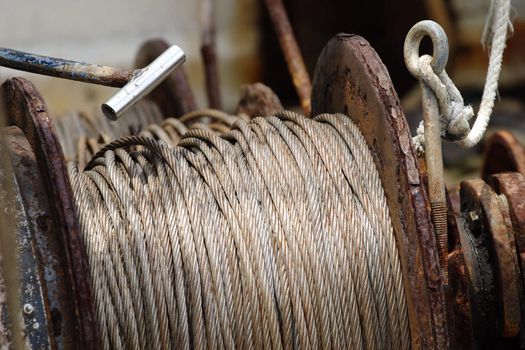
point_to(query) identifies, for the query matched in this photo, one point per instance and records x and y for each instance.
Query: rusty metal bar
(65, 69)
(436, 182)
(208, 52)
(292, 54)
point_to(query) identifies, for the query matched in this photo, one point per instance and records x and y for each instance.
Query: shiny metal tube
(143, 82)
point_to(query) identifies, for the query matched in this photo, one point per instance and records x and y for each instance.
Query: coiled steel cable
(81, 138)
(273, 235)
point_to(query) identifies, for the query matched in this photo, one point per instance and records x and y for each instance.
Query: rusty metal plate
(512, 186)
(350, 78)
(27, 110)
(44, 239)
(459, 316)
(480, 203)
(503, 153)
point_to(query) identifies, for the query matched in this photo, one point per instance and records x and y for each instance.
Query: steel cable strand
(228, 178)
(314, 210)
(146, 225)
(247, 277)
(99, 285)
(114, 264)
(331, 237)
(104, 268)
(122, 170)
(120, 236)
(358, 205)
(285, 250)
(337, 312)
(290, 175)
(374, 192)
(290, 183)
(273, 235)
(231, 274)
(252, 144)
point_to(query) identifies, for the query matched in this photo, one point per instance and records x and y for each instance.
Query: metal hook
(413, 41)
(431, 122)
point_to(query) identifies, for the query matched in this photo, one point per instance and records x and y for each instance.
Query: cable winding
(273, 235)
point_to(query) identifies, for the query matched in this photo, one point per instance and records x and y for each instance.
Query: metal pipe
(135, 84)
(144, 82)
(66, 69)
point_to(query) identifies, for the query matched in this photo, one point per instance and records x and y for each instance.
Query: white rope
(274, 235)
(455, 116)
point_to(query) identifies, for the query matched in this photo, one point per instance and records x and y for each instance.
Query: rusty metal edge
(502, 153)
(416, 240)
(27, 110)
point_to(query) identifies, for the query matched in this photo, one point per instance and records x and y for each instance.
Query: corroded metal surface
(67, 69)
(27, 110)
(512, 186)
(291, 51)
(45, 251)
(459, 317)
(37, 324)
(503, 153)
(494, 252)
(350, 78)
(258, 100)
(174, 96)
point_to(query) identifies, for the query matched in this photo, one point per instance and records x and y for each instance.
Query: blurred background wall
(110, 32)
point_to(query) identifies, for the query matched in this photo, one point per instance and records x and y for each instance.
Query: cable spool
(349, 79)
(223, 240)
(78, 274)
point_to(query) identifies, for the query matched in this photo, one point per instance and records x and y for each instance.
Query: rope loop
(430, 71)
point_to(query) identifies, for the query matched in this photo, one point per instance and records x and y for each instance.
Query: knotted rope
(430, 70)
(273, 235)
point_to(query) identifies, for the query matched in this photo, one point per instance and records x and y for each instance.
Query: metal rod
(66, 69)
(208, 52)
(292, 54)
(436, 181)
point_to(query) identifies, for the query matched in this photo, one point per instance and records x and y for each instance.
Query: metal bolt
(472, 217)
(473, 221)
(28, 309)
(36, 325)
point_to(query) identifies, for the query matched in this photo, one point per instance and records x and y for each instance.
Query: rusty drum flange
(503, 153)
(490, 248)
(350, 78)
(47, 196)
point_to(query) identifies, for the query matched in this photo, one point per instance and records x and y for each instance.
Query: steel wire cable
(273, 235)
(81, 137)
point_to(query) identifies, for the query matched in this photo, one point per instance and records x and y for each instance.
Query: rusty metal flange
(350, 78)
(503, 153)
(494, 273)
(48, 310)
(27, 110)
(173, 96)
